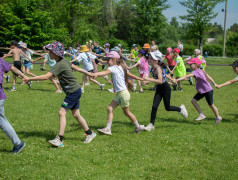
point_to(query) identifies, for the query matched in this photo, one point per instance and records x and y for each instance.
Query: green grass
(176, 149)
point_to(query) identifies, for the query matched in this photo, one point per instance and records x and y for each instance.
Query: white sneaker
(139, 129)
(105, 131)
(12, 89)
(58, 91)
(87, 84)
(183, 111)
(102, 86)
(82, 90)
(56, 142)
(111, 90)
(134, 87)
(89, 138)
(150, 127)
(200, 117)
(218, 120)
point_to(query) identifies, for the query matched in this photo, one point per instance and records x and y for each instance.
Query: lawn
(176, 149)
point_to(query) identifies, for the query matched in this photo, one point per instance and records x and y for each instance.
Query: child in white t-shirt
(120, 83)
(235, 69)
(88, 65)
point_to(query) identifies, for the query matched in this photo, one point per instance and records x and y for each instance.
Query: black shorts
(91, 71)
(75, 63)
(71, 101)
(96, 61)
(208, 96)
(17, 64)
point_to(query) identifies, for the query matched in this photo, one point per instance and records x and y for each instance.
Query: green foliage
(213, 49)
(232, 44)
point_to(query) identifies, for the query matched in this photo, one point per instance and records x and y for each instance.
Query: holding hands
(25, 79)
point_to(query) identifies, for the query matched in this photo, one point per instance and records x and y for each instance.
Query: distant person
(147, 50)
(180, 47)
(154, 44)
(235, 69)
(204, 89)
(72, 52)
(4, 123)
(197, 55)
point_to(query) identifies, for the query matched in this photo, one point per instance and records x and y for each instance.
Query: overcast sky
(177, 10)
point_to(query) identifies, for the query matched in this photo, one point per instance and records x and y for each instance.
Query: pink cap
(113, 54)
(194, 61)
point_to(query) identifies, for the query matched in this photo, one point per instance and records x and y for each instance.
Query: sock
(201, 114)
(61, 138)
(88, 132)
(109, 124)
(136, 124)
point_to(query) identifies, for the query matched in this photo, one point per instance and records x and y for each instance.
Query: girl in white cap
(120, 83)
(163, 90)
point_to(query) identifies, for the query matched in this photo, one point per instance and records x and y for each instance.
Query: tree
(200, 13)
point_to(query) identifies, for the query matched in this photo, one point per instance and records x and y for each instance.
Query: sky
(177, 10)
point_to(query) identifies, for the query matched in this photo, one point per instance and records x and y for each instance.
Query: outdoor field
(177, 149)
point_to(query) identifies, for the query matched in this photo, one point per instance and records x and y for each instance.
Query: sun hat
(197, 51)
(194, 61)
(20, 42)
(156, 55)
(142, 51)
(119, 45)
(84, 48)
(113, 54)
(146, 46)
(23, 45)
(134, 45)
(169, 49)
(57, 48)
(176, 50)
(116, 48)
(90, 41)
(107, 44)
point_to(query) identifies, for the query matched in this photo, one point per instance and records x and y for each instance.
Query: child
(200, 57)
(163, 90)
(88, 65)
(63, 70)
(4, 124)
(17, 63)
(203, 87)
(143, 68)
(235, 69)
(51, 62)
(120, 83)
(73, 53)
(179, 67)
(106, 50)
(26, 63)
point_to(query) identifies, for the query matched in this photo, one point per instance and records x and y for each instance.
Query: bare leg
(80, 119)
(62, 120)
(94, 81)
(43, 67)
(214, 109)
(84, 80)
(29, 73)
(140, 86)
(110, 109)
(127, 112)
(197, 107)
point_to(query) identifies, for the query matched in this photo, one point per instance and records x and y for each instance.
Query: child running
(235, 69)
(163, 90)
(122, 98)
(88, 65)
(4, 123)
(179, 67)
(63, 70)
(203, 87)
(16, 52)
(143, 68)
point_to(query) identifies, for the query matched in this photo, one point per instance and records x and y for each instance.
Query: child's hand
(32, 61)
(25, 79)
(217, 86)
(145, 78)
(129, 68)
(94, 76)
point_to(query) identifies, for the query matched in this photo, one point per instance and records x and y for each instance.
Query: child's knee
(109, 109)
(62, 112)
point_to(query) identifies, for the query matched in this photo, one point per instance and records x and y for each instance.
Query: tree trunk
(201, 45)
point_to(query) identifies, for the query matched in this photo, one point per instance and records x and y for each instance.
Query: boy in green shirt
(63, 70)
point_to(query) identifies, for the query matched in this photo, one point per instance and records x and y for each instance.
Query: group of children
(121, 79)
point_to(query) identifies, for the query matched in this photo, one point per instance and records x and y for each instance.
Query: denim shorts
(71, 100)
(27, 64)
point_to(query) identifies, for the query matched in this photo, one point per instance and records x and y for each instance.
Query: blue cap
(142, 51)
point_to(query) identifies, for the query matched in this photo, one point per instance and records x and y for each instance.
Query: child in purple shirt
(4, 124)
(203, 87)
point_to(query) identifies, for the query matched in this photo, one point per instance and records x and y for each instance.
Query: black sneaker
(190, 79)
(174, 86)
(42, 69)
(18, 149)
(103, 66)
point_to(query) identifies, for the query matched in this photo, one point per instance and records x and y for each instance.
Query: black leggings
(163, 91)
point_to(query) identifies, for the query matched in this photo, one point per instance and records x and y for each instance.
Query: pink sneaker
(200, 117)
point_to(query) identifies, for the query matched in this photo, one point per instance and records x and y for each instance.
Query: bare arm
(134, 76)
(38, 78)
(176, 64)
(26, 56)
(185, 77)
(157, 81)
(8, 54)
(76, 68)
(226, 83)
(134, 65)
(209, 78)
(102, 73)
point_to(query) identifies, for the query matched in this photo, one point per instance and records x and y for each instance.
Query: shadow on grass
(175, 121)
(47, 135)
(224, 120)
(5, 150)
(42, 90)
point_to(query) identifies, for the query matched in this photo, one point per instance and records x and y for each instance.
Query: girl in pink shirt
(143, 68)
(203, 87)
